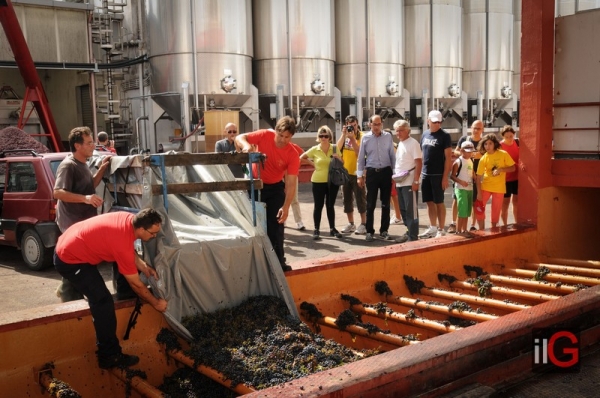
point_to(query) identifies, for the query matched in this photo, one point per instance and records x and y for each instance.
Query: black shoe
(118, 361)
(335, 232)
(286, 267)
(316, 235)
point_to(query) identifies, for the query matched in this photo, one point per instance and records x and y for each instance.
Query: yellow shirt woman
(321, 162)
(487, 164)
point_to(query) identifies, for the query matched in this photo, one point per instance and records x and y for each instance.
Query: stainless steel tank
(222, 37)
(570, 7)
(488, 48)
(443, 53)
(370, 48)
(302, 62)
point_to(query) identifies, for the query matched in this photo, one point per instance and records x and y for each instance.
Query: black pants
(324, 194)
(273, 195)
(379, 180)
(88, 281)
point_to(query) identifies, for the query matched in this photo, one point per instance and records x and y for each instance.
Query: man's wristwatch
(416, 182)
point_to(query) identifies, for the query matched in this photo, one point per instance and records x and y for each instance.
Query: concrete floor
(299, 245)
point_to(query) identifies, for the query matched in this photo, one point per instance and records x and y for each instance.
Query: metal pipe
(401, 318)
(368, 88)
(140, 145)
(140, 385)
(194, 53)
(279, 111)
(140, 21)
(480, 105)
(560, 278)
(487, 58)
(210, 372)
(595, 273)
(510, 292)
(359, 107)
(440, 309)
(360, 331)
(431, 72)
(164, 93)
(289, 45)
(527, 283)
(109, 74)
(374, 108)
(298, 110)
(185, 115)
(144, 134)
(576, 263)
(425, 109)
(483, 301)
(92, 78)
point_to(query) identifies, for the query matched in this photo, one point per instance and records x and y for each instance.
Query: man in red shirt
(281, 158)
(108, 237)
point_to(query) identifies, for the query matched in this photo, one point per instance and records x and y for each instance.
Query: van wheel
(35, 255)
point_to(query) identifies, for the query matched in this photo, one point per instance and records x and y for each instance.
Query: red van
(27, 206)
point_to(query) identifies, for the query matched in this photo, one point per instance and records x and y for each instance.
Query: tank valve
(454, 90)
(506, 91)
(317, 86)
(228, 84)
(392, 88)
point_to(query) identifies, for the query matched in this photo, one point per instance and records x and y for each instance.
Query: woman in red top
(511, 145)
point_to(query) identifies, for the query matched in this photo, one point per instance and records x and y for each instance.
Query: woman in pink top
(511, 145)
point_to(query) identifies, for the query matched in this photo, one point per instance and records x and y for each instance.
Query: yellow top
(321, 161)
(487, 163)
(349, 156)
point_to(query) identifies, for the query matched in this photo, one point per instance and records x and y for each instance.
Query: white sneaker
(440, 233)
(361, 230)
(429, 232)
(395, 220)
(300, 226)
(349, 228)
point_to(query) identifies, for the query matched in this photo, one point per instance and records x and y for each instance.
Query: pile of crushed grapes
(260, 344)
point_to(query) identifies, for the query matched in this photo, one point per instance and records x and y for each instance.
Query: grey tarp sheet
(208, 254)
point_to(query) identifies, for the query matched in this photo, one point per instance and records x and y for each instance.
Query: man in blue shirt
(437, 160)
(376, 157)
(227, 145)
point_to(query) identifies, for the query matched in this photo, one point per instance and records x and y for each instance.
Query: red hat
(479, 207)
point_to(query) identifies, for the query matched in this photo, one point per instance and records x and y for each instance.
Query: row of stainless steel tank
(305, 50)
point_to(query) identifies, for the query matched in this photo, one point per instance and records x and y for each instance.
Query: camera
(349, 128)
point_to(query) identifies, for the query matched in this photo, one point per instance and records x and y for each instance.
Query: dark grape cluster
(260, 344)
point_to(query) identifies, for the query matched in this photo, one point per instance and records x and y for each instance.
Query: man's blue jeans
(408, 200)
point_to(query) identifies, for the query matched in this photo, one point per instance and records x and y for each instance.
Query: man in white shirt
(408, 158)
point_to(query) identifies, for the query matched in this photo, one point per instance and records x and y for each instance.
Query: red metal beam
(35, 91)
(535, 132)
(575, 173)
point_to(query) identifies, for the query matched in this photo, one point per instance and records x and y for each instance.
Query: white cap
(467, 146)
(435, 116)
